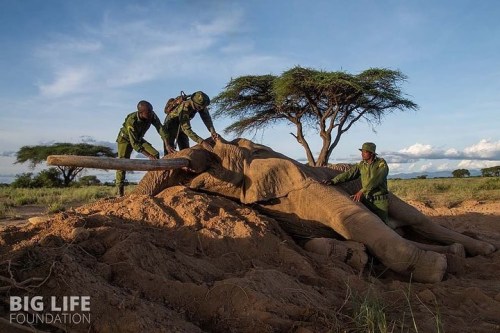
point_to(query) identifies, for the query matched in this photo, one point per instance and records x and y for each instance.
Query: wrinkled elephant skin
(293, 194)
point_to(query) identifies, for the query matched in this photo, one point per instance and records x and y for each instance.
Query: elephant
(294, 194)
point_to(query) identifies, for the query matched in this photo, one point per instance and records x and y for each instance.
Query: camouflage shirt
(373, 176)
(134, 129)
(184, 113)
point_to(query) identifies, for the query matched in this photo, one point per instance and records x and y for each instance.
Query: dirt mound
(185, 261)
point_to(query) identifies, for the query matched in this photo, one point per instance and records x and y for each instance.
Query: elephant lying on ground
(293, 194)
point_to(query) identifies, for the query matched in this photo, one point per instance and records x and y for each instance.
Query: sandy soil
(189, 262)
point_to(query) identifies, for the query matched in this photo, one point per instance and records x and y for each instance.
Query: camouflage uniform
(177, 124)
(131, 137)
(374, 184)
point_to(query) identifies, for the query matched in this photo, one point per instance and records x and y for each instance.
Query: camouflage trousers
(378, 207)
(176, 136)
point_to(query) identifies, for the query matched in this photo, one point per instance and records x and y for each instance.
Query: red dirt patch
(191, 262)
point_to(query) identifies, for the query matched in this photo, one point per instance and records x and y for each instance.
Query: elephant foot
(351, 253)
(430, 267)
(480, 248)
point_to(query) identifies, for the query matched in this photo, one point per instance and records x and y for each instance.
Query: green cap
(369, 146)
(200, 99)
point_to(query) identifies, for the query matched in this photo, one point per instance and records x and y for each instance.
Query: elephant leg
(408, 215)
(455, 248)
(332, 207)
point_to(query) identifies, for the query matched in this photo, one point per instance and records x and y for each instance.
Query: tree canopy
(330, 102)
(491, 172)
(38, 154)
(460, 173)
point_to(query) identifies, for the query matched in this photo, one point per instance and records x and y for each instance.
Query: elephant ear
(268, 174)
(225, 176)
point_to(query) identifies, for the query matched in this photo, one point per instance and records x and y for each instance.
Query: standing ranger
(177, 123)
(131, 137)
(373, 171)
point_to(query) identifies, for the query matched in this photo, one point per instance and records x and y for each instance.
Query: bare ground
(189, 262)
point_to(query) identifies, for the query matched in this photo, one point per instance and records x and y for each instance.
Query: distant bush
(23, 180)
(88, 181)
(46, 178)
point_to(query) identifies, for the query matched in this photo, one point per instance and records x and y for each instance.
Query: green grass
(369, 314)
(54, 199)
(447, 192)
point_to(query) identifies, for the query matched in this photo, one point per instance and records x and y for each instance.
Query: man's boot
(121, 190)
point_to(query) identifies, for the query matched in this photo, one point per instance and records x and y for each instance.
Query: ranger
(373, 171)
(131, 137)
(177, 123)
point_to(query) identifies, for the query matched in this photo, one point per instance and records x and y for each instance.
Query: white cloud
(484, 149)
(395, 167)
(117, 55)
(426, 167)
(452, 152)
(443, 167)
(475, 164)
(67, 81)
(417, 150)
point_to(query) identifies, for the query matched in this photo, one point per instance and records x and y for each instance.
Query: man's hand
(357, 197)
(170, 149)
(148, 155)
(327, 181)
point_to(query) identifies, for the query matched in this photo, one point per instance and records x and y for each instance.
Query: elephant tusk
(110, 163)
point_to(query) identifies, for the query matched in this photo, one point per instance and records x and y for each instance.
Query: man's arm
(207, 120)
(132, 135)
(346, 176)
(185, 123)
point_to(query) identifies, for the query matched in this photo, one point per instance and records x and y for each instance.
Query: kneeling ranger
(373, 171)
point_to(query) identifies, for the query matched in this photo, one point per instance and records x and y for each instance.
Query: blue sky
(72, 70)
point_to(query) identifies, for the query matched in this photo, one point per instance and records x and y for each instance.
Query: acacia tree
(491, 172)
(460, 173)
(331, 102)
(38, 154)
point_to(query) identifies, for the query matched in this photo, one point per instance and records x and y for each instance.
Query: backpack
(173, 103)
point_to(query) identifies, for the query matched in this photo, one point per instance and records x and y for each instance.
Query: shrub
(89, 181)
(23, 180)
(48, 178)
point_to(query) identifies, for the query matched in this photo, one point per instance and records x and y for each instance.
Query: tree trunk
(117, 163)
